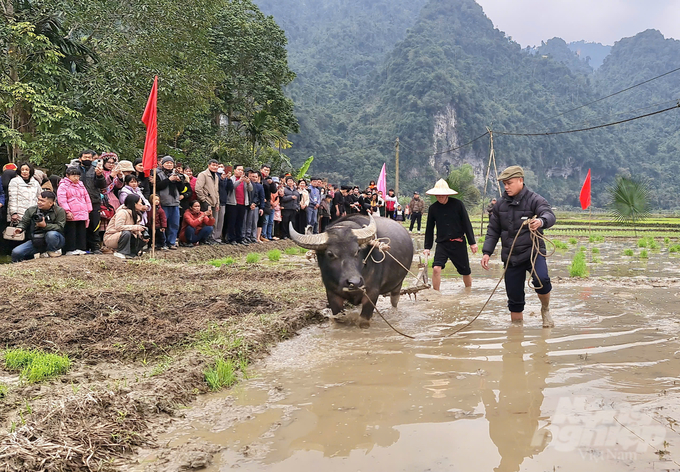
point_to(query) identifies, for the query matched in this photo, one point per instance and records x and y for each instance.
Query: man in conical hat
(453, 227)
(517, 205)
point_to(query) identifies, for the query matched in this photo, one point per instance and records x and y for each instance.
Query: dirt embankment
(140, 335)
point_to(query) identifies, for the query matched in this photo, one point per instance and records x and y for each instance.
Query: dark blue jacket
(258, 195)
(224, 190)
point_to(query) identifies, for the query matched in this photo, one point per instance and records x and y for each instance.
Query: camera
(38, 216)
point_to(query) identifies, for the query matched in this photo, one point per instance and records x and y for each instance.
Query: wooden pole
(396, 179)
(486, 181)
(153, 216)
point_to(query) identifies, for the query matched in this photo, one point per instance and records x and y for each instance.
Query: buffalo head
(339, 252)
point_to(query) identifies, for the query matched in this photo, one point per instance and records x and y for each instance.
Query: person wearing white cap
(453, 227)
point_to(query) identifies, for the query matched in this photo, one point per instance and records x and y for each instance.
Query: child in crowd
(75, 200)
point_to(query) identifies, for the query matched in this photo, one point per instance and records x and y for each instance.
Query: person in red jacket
(197, 226)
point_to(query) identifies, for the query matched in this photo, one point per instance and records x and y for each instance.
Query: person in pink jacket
(74, 199)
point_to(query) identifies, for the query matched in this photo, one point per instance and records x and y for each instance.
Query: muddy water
(600, 392)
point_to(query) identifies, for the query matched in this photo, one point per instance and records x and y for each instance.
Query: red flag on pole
(585, 192)
(151, 122)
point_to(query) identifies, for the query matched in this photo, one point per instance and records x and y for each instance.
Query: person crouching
(197, 226)
(125, 233)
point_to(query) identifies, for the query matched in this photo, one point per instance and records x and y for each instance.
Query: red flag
(150, 120)
(585, 192)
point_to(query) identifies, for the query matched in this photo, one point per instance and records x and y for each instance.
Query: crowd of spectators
(103, 205)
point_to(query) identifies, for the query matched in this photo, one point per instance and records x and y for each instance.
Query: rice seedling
(596, 239)
(221, 375)
(274, 255)
(582, 249)
(578, 266)
(595, 250)
(644, 254)
(292, 251)
(642, 242)
(674, 248)
(573, 241)
(666, 240)
(302, 250)
(36, 365)
(628, 252)
(252, 258)
(220, 262)
(560, 245)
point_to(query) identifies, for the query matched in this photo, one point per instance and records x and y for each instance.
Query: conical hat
(441, 188)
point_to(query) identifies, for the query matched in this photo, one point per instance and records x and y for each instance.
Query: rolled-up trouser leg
(515, 277)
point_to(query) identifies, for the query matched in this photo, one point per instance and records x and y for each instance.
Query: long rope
(536, 239)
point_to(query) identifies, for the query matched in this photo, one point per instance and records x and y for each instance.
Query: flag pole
(153, 216)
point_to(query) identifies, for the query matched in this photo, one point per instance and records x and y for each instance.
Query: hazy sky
(600, 21)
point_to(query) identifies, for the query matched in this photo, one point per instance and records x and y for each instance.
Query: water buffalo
(341, 251)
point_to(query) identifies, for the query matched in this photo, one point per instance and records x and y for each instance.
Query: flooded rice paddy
(599, 392)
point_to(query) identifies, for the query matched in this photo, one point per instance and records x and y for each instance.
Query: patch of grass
(582, 249)
(573, 241)
(292, 251)
(578, 266)
(642, 242)
(561, 245)
(35, 365)
(220, 262)
(220, 375)
(596, 239)
(628, 252)
(274, 255)
(644, 254)
(652, 244)
(596, 250)
(252, 258)
(302, 250)
(674, 248)
(666, 240)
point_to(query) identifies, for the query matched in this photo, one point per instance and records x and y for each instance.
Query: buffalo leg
(335, 302)
(367, 304)
(395, 294)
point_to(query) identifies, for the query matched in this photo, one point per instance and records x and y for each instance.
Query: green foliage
(629, 200)
(674, 248)
(561, 245)
(644, 254)
(628, 252)
(595, 250)
(220, 262)
(274, 255)
(292, 251)
(582, 249)
(578, 266)
(251, 51)
(221, 374)
(302, 173)
(35, 365)
(573, 241)
(666, 240)
(252, 258)
(642, 242)
(302, 250)
(462, 181)
(596, 239)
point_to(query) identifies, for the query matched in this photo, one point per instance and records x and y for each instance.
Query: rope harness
(536, 238)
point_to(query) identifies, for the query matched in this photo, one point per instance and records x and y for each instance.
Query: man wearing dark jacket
(453, 226)
(44, 228)
(517, 208)
(93, 179)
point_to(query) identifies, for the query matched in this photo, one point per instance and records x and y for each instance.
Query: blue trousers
(268, 229)
(312, 218)
(53, 239)
(172, 214)
(192, 237)
(515, 277)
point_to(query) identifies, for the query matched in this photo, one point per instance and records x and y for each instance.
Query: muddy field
(140, 335)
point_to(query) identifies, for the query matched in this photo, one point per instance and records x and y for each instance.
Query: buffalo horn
(364, 235)
(315, 242)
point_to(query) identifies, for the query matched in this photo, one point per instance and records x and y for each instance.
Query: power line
(549, 133)
(401, 143)
(615, 93)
